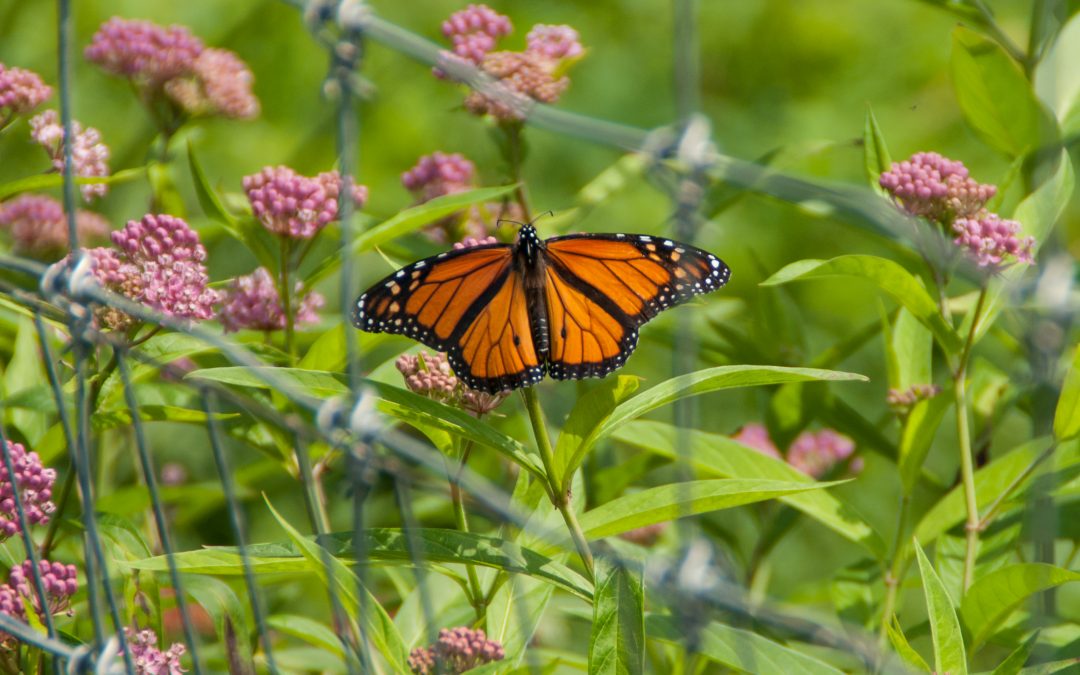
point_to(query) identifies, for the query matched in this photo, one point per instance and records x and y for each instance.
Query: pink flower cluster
(815, 453)
(475, 30)
(20, 92)
(991, 240)
(534, 73)
(158, 261)
(148, 659)
(439, 174)
(60, 582)
(902, 400)
(34, 483)
(171, 60)
(295, 206)
(430, 375)
(935, 187)
(456, 651)
(252, 302)
(39, 228)
(89, 155)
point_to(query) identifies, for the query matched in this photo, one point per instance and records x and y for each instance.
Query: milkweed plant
(860, 456)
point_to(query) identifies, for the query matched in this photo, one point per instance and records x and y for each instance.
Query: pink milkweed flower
(475, 30)
(144, 52)
(39, 226)
(295, 206)
(439, 174)
(34, 483)
(935, 187)
(756, 436)
(816, 453)
(554, 43)
(991, 241)
(60, 581)
(430, 375)
(456, 651)
(20, 92)
(148, 659)
(527, 75)
(89, 155)
(219, 84)
(253, 302)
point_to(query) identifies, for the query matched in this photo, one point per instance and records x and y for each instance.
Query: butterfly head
(529, 242)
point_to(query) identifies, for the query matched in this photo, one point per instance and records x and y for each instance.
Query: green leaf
(1015, 661)
(222, 604)
(875, 153)
(949, 656)
(617, 642)
(408, 221)
(164, 348)
(995, 96)
(112, 419)
(1067, 413)
(739, 649)
(45, 181)
(887, 275)
(378, 627)
(720, 456)
(676, 500)
(591, 409)
(1040, 210)
(913, 346)
(313, 632)
(703, 382)
(903, 648)
(211, 204)
(990, 481)
(25, 372)
(995, 595)
(920, 429)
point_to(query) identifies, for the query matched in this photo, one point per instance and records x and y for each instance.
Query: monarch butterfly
(570, 306)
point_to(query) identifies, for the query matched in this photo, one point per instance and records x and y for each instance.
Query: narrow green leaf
(406, 222)
(1015, 661)
(995, 595)
(112, 419)
(164, 348)
(313, 632)
(913, 345)
(995, 96)
(920, 429)
(1040, 211)
(875, 153)
(903, 648)
(702, 382)
(742, 650)
(949, 656)
(45, 181)
(221, 603)
(378, 627)
(718, 456)
(1067, 414)
(676, 500)
(617, 642)
(211, 204)
(887, 275)
(588, 413)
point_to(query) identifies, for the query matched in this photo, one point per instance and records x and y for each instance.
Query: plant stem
(999, 501)
(963, 433)
(286, 300)
(894, 575)
(560, 499)
(462, 521)
(516, 158)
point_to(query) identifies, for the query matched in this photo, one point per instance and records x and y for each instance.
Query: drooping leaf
(887, 275)
(995, 595)
(719, 456)
(617, 643)
(949, 654)
(903, 647)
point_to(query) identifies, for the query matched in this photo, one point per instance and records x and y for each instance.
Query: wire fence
(694, 586)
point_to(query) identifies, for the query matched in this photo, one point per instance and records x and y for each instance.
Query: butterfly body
(569, 306)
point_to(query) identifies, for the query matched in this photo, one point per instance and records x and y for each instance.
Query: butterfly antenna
(545, 213)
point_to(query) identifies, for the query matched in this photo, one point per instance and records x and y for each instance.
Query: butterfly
(570, 306)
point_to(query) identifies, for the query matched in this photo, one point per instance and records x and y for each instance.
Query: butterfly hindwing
(620, 280)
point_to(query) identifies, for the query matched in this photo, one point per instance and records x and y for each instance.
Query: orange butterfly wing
(601, 288)
(469, 303)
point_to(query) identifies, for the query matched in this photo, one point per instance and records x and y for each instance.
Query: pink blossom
(219, 84)
(526, 74)
(34, 483)
(60, 582)
(935, 187)
(295, 206)
(89, 155)
(756, 436)
(456, 651)
(144, 52)
(439, 174)
(815, 453)
(992, 241)
(430, 375)
(554, 43)
(902, 400)
(39, 227)
(20, 92)
(475, 30)
(148, 659)
(253, 302)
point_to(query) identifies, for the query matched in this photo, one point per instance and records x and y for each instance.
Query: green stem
(462, 521)
(894, 575)
(963, 433)
(559, 498)
(999, 501)
(1001, 37)
(516, 160)
(286, 300)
